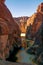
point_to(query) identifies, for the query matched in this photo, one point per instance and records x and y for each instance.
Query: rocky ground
(10, 63)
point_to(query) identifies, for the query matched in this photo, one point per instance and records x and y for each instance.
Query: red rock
(9, 30)
(36, 20)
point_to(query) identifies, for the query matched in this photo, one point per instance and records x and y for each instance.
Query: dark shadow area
(12, 56)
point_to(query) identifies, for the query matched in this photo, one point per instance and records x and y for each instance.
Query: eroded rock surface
(35, 30)
(9, 31)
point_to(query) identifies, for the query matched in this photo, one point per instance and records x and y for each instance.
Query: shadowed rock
(10, 63)
(35, 31)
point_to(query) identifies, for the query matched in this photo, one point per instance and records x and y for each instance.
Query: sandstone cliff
(35, 22)
(35, 32)
(9, 31)
(22, 21)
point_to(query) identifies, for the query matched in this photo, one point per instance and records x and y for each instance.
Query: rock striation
(35, 30)
(35, 21)
(22, 21)
(9, 31)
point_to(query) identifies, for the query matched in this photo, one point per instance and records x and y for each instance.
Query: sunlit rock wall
(34, 25)
(22, 21)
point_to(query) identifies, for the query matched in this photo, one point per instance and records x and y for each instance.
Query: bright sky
(22, 7)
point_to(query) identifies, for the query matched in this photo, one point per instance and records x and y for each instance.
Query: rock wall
(9, 31)
(22, 21)
(35, 22)
(35, 33)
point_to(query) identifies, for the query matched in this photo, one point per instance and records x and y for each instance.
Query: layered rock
(35, 21)
(9, 31)
(22, 21)
(35, 30)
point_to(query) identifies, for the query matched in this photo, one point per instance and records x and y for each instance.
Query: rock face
(35, 22)
(2, 1)
(35, 29)
(9, 31)
(22, 21)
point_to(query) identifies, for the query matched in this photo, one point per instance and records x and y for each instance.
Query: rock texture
(10, 63)
(35, 22)
(9, 31)
(2, 1)
(35, 30)
(22, 21)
